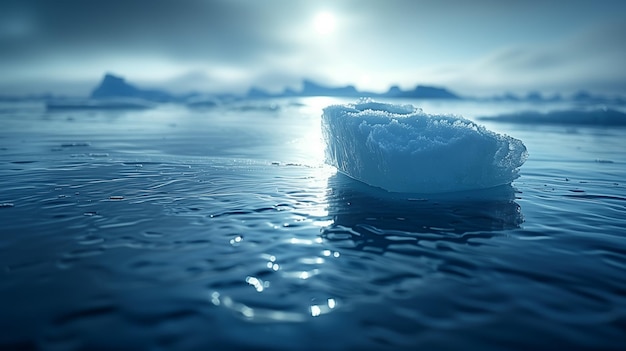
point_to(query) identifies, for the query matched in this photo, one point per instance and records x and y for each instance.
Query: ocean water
(220, 228)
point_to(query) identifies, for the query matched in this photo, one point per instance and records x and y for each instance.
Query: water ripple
(192, 252)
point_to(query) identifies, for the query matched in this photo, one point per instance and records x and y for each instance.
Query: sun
(324, 23)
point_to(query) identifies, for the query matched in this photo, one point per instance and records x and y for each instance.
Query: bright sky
(472, 47)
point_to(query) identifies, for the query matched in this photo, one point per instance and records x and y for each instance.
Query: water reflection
(376, 219)
(373, 245)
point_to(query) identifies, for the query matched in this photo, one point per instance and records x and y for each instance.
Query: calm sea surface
(217, 229)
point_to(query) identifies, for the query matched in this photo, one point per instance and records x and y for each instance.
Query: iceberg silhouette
(116, 87)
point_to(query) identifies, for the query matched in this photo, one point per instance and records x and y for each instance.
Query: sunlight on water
(209, 228)
(312, 253)
(318, 310)
(316, 103)
(313, 145)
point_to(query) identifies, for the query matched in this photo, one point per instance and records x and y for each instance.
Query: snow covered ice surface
(400, 148)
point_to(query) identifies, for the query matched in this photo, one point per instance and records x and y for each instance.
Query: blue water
(179, 229)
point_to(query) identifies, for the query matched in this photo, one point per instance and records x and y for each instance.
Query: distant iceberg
(400, 148)
(598, 117)
(117, 87)
(201, 102)
(91, 104)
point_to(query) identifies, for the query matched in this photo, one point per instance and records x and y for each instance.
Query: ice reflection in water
(371, 244)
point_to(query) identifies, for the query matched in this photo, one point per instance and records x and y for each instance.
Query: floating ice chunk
(596, 117)
(402, 149)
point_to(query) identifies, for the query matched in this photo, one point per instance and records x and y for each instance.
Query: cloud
(589, 59)
(232, 44)
(230, 41)
(220, 30)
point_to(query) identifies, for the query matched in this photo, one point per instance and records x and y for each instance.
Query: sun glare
(324, 23)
